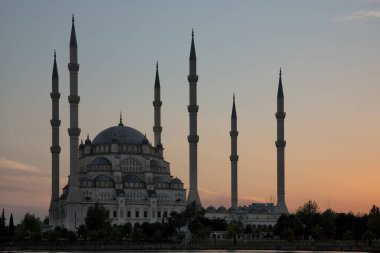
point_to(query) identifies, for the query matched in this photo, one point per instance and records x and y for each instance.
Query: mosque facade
(126, 173)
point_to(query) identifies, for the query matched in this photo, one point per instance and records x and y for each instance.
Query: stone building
(121, 169)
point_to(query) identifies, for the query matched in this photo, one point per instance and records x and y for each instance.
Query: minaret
(55, 149)
(234, 157)
(280, 144)
(193, 138)
(74, 131)
(157, 129)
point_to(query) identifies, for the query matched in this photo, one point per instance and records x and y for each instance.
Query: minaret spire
(55, 149)
(280, 144)
(193, 137)
(121, 120)
(157, 103)
(74, 130)
(234, 157)
(73, 37)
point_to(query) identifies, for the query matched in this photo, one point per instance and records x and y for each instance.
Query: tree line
(309, 223)
(306, 223)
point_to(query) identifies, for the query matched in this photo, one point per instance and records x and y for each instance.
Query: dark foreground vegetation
(306, 229)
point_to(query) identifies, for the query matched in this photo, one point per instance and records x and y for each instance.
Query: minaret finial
(233, 114)
(157, 80)
(280, 92)
(192, 49)
(121, 119)
(72, 19)
(73, 37)
(55, 70)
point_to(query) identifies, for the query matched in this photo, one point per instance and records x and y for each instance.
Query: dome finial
(121, 120)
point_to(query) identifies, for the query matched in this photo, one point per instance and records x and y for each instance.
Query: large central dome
(121, 134)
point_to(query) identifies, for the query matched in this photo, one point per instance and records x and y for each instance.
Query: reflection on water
(192, 251)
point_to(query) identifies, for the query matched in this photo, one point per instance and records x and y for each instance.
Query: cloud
(358, 15)
(14, 165)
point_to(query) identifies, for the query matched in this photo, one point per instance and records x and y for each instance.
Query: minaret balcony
(74, 99)
(280, 115)
(74, 131)
(192, 108)
(157, 129)
(55, 95)
(234, 158)
(55, 149)
(73, 67)
(157, 103)
(193, 138)
(192, 78)
(234, 133)
(280, 144)
(55, 122)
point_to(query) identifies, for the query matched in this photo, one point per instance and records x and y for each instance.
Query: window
(130, 165)
(137, 214)
(153, 213)
(128, 213)
(159, 213)
(145, 213)
(121, 213)
(114, 213)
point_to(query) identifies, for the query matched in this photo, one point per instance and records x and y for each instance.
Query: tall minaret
(55, 149)
(234, 157)
(193, 138)
(74, 131)
(280, 144)
(157, 129)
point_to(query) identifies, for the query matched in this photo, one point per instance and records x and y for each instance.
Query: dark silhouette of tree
(234, 228)
(328, 223)
(29, 228)
(3, 227)
(11, 227)
(97, 218)
(219, 224)
(374, 224)
(97, 222)
(82, 232)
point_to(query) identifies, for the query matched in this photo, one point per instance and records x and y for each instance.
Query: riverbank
(209, 245)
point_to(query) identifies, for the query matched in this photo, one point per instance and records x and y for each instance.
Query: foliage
(374, 223)
(11, 227)
(29, 229)
(234, 228)
(308, 223)
(97, 218)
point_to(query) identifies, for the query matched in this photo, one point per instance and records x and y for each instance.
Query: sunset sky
(329, 52)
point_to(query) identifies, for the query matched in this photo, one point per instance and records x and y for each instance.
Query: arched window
(130, 165)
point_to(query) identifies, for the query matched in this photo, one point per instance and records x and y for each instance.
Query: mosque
(126, 173)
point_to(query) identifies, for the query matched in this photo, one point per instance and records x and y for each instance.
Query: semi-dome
(100, 161)
(176, 181)
(121, 134)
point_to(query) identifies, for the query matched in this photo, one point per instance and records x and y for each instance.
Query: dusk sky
(328, 50)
